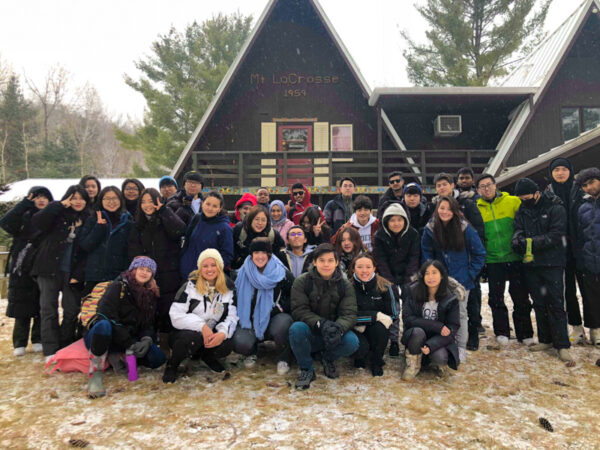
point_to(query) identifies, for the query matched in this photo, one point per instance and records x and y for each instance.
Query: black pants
(571, 275)
(546, 288)
(373, 340)
(474, 306)
(245, 341)
(591, 299)
(417, 340)
(498, 275)
(55, 337)
(188, 344)
(21, 331)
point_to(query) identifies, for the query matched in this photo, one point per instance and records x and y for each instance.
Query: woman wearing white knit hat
(204, 316)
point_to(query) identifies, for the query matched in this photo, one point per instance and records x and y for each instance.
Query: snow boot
(595, 336)
(577, 336)
(540, 347)
(565, 355)
(473, 340)
(170, 374)
(306, 377)
(394, 350)
(95, 386)
(413, 366)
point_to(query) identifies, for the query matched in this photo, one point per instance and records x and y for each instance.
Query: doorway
(295, 138)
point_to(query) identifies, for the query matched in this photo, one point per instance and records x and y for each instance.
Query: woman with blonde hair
(204, 316)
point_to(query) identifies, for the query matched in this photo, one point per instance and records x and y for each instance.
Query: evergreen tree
(178, 83)
(473, 41)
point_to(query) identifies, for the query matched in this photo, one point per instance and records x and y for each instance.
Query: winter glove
(384, 319)
(141, 348)
(528, 251)
(332, 333)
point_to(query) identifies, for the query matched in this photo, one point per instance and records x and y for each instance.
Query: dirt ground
(495, 400)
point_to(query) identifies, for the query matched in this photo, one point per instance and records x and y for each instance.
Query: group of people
(179, 278)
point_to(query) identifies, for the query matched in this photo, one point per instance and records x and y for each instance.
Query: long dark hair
(449, 236)
(420, 291)
(140, 216)
(313, 214)
(79, 189)
(117, 192)
(86, 178)
(135, 181)
(354, 237)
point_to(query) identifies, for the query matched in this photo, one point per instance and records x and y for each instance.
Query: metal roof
(378, 93)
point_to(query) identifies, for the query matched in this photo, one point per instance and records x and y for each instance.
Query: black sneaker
(473, 340)
(305, 378)
(170, 374)
(213, 363)
(377, 371)
(330, 369)
(394, 349)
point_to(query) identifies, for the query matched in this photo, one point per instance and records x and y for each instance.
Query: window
(576, 120)
(341, 140)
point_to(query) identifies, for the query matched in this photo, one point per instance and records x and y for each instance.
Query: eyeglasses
(396, 181)
(485, 187)
(298, 193)
(296, 234)
(132, 189)
(111, 199)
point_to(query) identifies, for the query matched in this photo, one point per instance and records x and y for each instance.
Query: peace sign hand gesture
(317, 227)
(101, 220)
(67, 201)
(158, 205)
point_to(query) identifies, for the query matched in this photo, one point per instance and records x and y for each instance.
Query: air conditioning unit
(447, 126)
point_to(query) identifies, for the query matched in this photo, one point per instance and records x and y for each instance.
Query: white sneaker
(48, 358)
(595, 336)
(528, 341)
(250, 361)
(37, 348)
(282, 368)
(502, 340)
(577, 335)
(19, 351)
(462, 354)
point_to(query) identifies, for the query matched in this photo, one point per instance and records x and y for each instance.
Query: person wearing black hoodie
(188, 201)
(563, 186)
(415, 205)
(59, 266)
(393, 194)
(540, 227)
(131, 189)
(23, 293)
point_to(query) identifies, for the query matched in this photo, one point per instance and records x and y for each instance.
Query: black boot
(170, 374)
(394, 349)
(473, 341)
(212, 363)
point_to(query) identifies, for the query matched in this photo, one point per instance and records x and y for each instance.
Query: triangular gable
(241, 57)
(542, 64)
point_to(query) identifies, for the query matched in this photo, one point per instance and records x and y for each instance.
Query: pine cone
(79, 443)
(546, 425)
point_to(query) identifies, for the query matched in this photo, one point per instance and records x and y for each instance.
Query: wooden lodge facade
(295, 107)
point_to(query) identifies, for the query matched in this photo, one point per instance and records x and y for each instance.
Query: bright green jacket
(498, 218)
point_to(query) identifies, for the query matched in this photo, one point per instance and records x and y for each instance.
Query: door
(295, 138)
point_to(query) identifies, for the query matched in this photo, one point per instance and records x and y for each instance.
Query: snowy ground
(495, 400)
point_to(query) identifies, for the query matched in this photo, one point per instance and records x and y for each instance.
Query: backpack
(89, 304)
(73, 358)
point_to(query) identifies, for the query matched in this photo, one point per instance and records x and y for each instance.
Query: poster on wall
(341, 140)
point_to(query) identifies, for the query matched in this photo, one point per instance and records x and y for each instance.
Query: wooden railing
(367, 167)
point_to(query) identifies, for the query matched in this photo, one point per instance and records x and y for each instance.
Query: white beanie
(211, 253)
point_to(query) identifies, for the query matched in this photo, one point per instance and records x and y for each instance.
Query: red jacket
(298, 209)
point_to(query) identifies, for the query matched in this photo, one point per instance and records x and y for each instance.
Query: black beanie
(560, 162)
(261, 245)
(526, 186)
(43, 191)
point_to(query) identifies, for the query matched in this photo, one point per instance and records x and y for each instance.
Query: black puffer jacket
(386, 200)
(546, 224)
(281, 296)
(241, 245)
(371, 300)
(23, 293)
(448, 315)
(418, 216)
(160, 239)
(54, 222)
(181, 204)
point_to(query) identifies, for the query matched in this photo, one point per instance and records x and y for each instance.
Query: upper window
(576, 120)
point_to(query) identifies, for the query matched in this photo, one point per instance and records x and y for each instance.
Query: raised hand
(101, 220)
(158, 205)
(317, 227)
(30, 197)
(67, 201)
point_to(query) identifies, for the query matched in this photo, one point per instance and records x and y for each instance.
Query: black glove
(140, 348)
(332, 333)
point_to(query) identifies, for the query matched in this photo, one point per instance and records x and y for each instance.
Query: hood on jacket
(306, 201)
(247, 197)
(356, 224)
(308, 249)
(395, 209)
(41, 190)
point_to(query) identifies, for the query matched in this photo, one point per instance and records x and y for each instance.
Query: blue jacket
(203, 233)
(464, 265)
(106, 247)
(588, 235)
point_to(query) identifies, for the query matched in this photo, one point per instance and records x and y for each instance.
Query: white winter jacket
(191, 311)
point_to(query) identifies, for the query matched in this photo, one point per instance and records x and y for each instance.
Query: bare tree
(3, 156)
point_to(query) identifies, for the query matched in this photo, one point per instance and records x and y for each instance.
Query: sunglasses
(298, 193)
(296, 234)
(396, 181)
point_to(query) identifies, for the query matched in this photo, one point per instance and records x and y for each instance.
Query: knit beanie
(167, 180)
(412, 188)
(261, 245)
(560, 162)
(143, 261)
(211, 253)
(42, 191)
(526, 186)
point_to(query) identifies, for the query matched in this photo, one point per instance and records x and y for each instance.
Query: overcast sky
(98, 41)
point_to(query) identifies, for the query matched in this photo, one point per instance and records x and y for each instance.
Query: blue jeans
(304, 342)
(101, 334)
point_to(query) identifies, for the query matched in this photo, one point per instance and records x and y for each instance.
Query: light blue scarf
(248, 279)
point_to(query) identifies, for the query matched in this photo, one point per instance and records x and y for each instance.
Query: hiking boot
(282, 367)
(502, 340)
(473, 340)
(540, 347)
(330, 369)
(250, 361)
(595, 336)
(394, 350)
(213, 363)
(170, 374)
(38, 348)
(306, 377)
(95, 386)
(528, 342)
(19, 351)
(577, 336)
(413, 366)
(376, 370)
(565, 355)
(439, 371)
